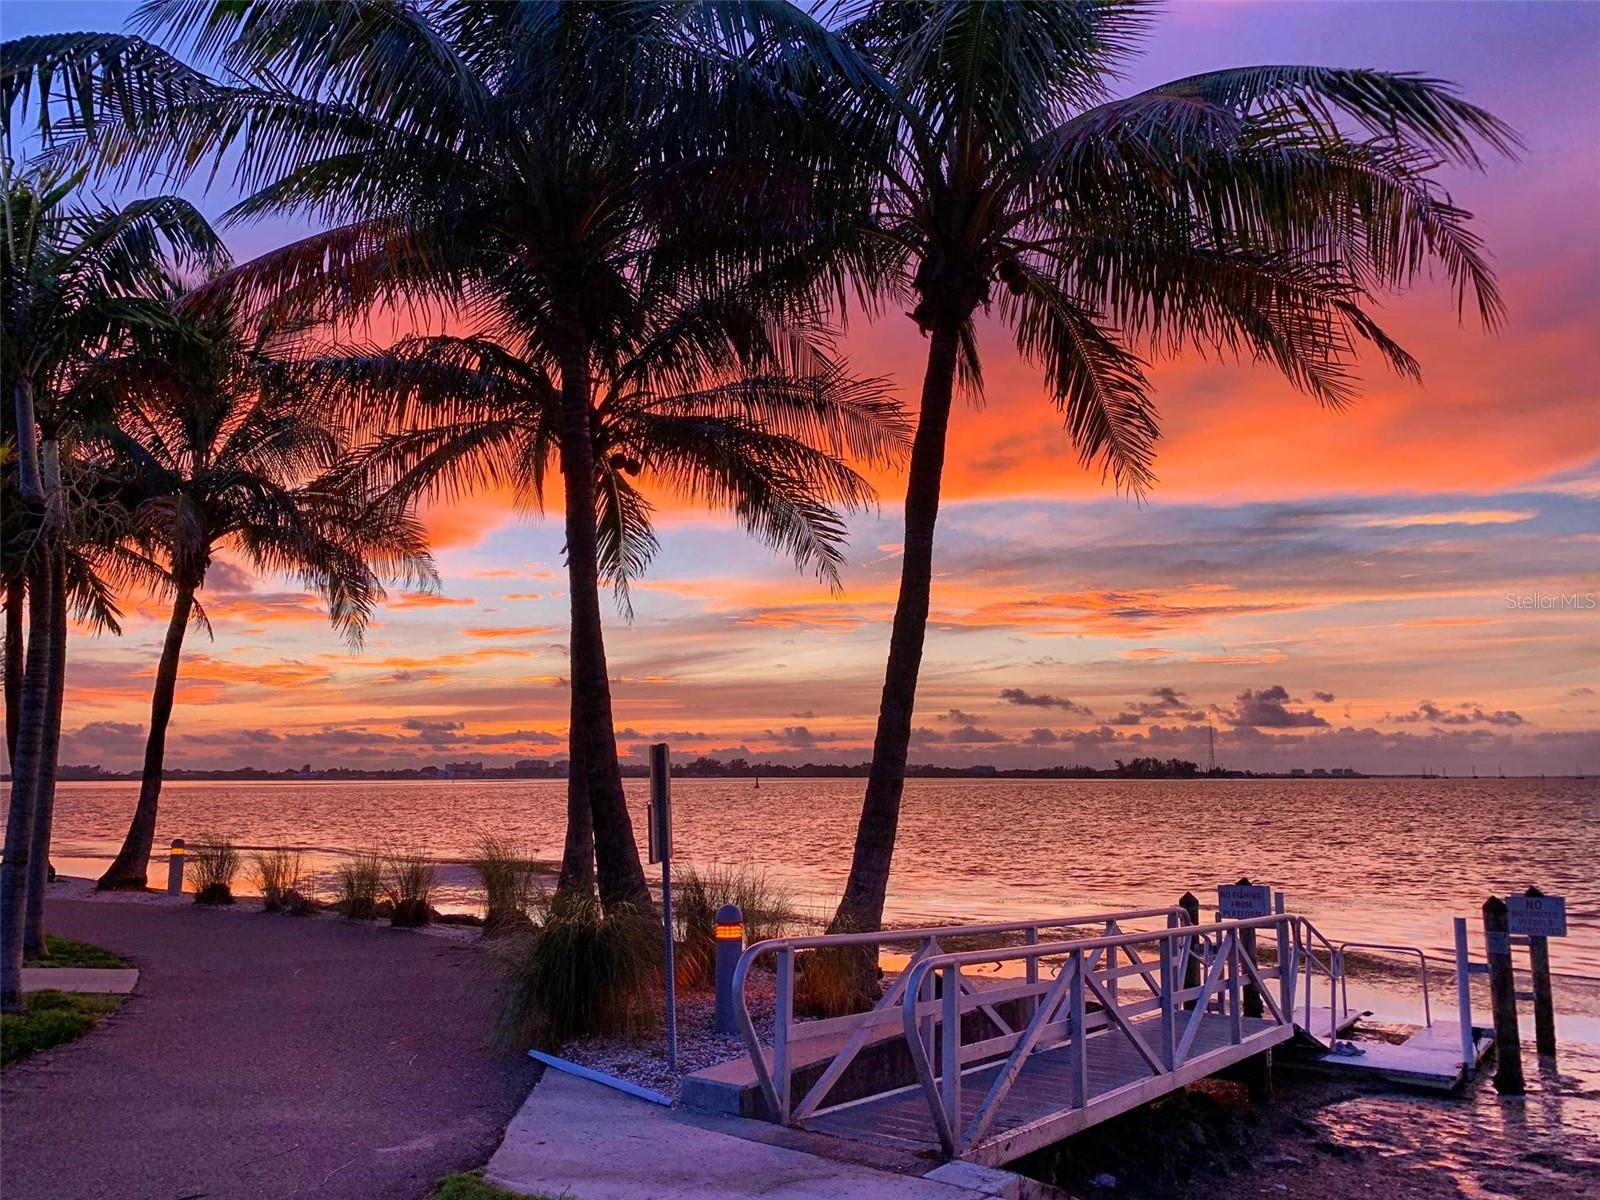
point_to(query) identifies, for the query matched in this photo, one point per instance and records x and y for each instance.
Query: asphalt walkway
(263, 1056)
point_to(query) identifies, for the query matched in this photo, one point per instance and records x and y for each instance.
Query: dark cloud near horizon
(1015, 695)
(1267, 708)
(1465, 713)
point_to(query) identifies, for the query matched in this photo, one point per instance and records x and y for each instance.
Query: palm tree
(1258, 212)
(75, 280)
(707, 400)
(520, 158)
(215, 446)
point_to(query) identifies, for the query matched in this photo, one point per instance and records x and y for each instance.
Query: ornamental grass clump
(509, 885)
(356, 882)
(408, 880)
(215, 861)
(276, 873)
(698, 893)
(581, 971)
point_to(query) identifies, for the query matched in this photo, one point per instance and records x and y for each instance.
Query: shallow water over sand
(1379, 859)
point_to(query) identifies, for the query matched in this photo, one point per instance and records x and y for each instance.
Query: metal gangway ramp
(1017, 1046)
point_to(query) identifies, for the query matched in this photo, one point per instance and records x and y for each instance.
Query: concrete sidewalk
(578, 1139)
(108, 981)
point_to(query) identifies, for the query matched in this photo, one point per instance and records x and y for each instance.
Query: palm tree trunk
(577, 856)
(24, 777)
(15, 598)
(132, 863)
(861, 907)
(44, 802)
(593, 733)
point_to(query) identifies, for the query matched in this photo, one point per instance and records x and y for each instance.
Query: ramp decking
(1036, 1111)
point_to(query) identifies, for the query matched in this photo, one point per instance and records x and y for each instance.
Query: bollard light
(729, 931)
(175, 858)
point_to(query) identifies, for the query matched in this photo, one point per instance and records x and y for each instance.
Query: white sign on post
(1236, 902)
(1538, 916)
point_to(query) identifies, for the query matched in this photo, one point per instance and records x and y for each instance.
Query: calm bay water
(1376, 859)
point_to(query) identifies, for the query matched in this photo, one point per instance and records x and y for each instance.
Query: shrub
(356, 883)
(408, 879)
(215, 862)
(277, 874)
(582, 971)
(698, 893)
(509, 885)
(834, 981)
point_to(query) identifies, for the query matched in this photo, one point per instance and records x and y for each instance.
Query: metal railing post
(950, 1064)
(1235, 992)
(1469, 1041)
(1285, 966)
(1169, 1007)
(1078, 1063)
(782, 1018)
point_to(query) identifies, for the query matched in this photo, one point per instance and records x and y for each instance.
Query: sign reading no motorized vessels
(1236, 902)
(1538, 916)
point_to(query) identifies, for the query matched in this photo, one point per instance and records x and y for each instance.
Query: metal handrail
(1070, 988)
(1332, 971)
(1393, 948)
(774, 1079)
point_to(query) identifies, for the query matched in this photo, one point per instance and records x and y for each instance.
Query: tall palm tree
(473, 156)
(707, 400)
(214, 445)
(75, 279)
(1258, 212)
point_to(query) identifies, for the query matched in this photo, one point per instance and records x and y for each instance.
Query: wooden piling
(1503, 995)
(1544, 1009)
(1190, 903)
(1247, 943)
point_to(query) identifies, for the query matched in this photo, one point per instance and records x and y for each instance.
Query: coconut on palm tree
(214, 446)
(1260, 212)
(77, 280)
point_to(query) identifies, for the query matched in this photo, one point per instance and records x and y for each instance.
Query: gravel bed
(643, 1059)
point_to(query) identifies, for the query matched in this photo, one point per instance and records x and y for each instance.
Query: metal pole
(661, 799)
(175, 859)
(1469, 1040)
(1544, 1008)
(1503, 995)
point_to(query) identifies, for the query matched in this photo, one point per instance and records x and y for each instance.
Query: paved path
(263, 1056)
(117, 981)
(584, 1140)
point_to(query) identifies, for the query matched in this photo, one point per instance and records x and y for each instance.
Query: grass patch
(469, 1185)
(408, 879)
(356, 882)
(698, 893)
(50, 1019)
(509, 884)
(64, 952)
(583, 971)
(277, 876)
(215, 861)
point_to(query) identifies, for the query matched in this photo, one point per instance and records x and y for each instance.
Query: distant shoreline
(763, 771)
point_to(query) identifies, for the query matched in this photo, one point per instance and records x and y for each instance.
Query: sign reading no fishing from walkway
(1239, 902)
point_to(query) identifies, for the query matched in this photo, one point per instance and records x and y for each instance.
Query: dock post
(175, 858)
(1247, 944)
(729, 936)
(1469, 1039)
(1544, 1009)
(1503, 996)
(1190, 903)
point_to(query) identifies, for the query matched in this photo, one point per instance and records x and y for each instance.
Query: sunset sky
(1326, 589)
